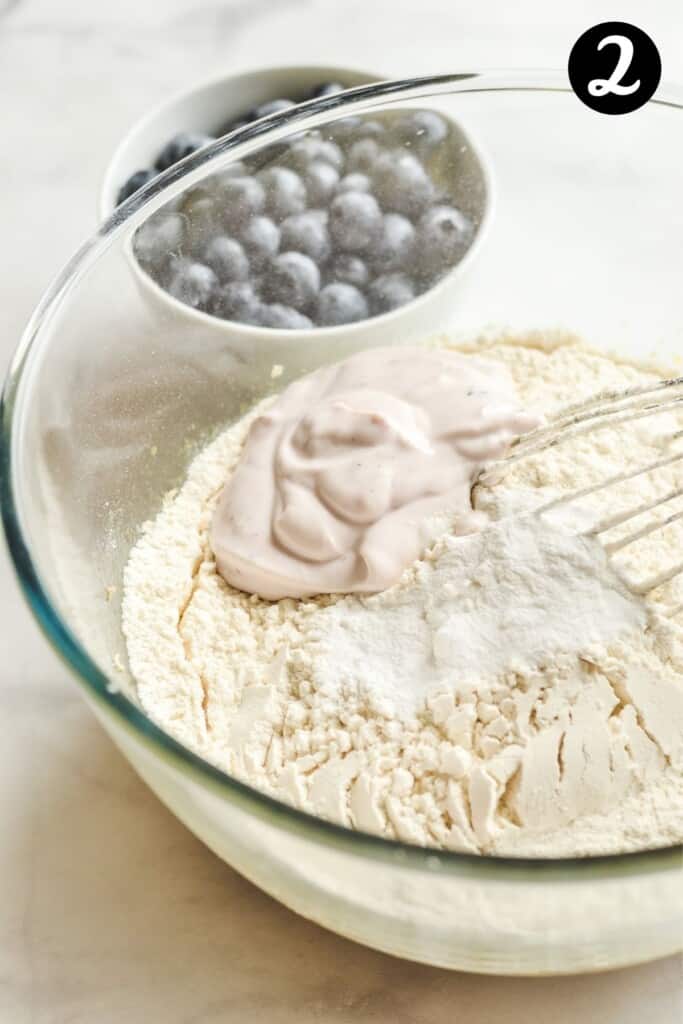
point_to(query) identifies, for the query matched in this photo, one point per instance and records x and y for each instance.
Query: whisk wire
(609, 409)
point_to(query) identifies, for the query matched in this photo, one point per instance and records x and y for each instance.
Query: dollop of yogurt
(356, 468)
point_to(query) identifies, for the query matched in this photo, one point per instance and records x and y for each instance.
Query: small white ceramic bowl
(210, 105)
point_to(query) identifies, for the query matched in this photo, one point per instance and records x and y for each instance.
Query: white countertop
(110, 911)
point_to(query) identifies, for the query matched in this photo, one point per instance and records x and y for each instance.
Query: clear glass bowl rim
(97, 685)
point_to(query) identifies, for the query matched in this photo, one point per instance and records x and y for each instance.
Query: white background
(109, 910)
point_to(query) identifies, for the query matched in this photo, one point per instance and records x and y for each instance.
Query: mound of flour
(477, 607)
(510, 694)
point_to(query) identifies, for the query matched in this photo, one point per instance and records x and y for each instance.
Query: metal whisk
(610, 409)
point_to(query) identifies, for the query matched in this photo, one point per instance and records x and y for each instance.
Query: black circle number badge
(614, 67)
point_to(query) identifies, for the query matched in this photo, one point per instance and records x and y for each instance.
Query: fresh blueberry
(307, 232)
(443, 233)
(284, 318)
(238, 300)
(401, 183)
(370, 129)
(202, 218)
(340, 303)
(135, 182)
(422, 129)
(234, 124)
(355, 221)
(327, 89)
(350, 269)
(241, 199)
(309, 148)
(294, 280)
(396, 244)
(355, 182)
(227, 259)
(179, 147)
(389, 291)
(159, 238)
(362, 155)
(261, 240)
(285, 192)
(269, 156)
(192, 283)
(321, 180)
(346, 128)
(236, 169)
(271, 107)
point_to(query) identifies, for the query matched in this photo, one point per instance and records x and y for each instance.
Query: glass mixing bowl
(110, 394)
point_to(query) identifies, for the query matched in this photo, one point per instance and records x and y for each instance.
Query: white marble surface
(109, 910)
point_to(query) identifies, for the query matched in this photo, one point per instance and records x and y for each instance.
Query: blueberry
(350, 269)
(362, 155)
(261, 240)
(327, 89)
(271, 107)
(369, 129)
(396, 245)
(202, 218)
(179, 147)
(321, 182)
(355, 182)
(241, 199)
(294, 280)
(285, 192)
(340, 303)
(389, 291)
(238, 300)
(355, 221)
(443, 233)
(346, 128)
(269, 156)
(401, 183)
(236, 169)
(309, 148)
(235, 124)
(192, 283)
(423, 129)
(227, 259)
(159, 237)
(135, 182)
(284, 318)
(307, 232)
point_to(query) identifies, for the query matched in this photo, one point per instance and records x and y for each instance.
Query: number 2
(602, 86)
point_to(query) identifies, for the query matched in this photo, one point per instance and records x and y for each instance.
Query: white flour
(510, 694)
(476, 608)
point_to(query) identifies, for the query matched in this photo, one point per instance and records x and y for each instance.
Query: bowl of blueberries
(337, 231)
